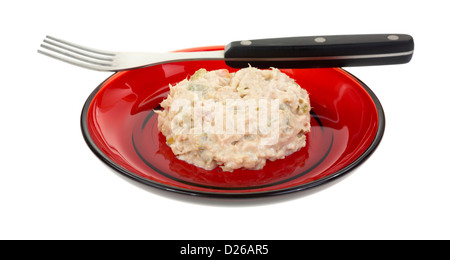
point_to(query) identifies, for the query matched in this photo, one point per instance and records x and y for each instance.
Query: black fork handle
(321, 51)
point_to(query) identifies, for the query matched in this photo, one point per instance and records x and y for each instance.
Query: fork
(290, 52)
(102, 60)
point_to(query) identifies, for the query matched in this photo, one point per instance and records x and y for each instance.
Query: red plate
(119, 125)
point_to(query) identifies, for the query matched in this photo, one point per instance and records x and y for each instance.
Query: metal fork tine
(81, 47)
(75, 56)
(77, 51)
(75, 62)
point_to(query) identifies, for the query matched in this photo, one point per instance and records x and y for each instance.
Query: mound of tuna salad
(235, 120)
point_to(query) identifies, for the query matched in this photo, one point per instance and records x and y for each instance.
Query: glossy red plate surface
(120, 126)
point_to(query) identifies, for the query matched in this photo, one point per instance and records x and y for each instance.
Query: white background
(53, 187)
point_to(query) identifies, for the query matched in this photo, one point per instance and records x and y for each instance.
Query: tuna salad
(235, 120)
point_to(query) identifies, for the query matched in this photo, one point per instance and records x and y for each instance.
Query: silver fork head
(78, 55)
